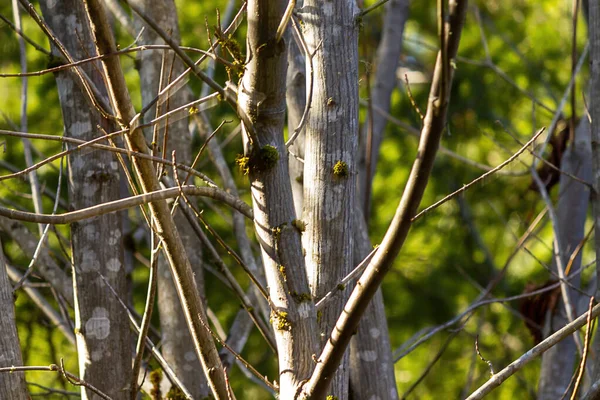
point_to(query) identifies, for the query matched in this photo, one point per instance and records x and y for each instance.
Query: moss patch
(301, 297)
(299, 225)
(340, 169)
(259, 161)
(281, 320)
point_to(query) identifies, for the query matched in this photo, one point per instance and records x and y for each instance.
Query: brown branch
(72, 379)
(122, 204)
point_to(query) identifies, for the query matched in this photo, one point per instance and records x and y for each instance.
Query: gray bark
(296, 102)
(330, 160)
(371, 361)
(558, 362)
(156, 67)
(101, 324)
(594, 37)
(261, 95)
(166, 229)
(12, 385)
(371, 364)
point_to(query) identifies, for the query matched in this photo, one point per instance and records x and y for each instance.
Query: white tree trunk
(330, 159)
(261, 95)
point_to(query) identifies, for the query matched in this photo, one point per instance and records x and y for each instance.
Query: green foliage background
(433, 279)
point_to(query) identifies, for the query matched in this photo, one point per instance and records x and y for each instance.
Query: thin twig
(479, 179)
(146, 319)
(73, 379)
(309, 56)
(373, 7)
(92, 143)
(488, 362)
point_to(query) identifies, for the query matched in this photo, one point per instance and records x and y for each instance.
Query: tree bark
(382, 261)
(158, 66)
(173, 247)
(371, 364)
(330, 159)
(559, 361)
(101, 325)
(296, 103)
(261, 95)
(12, 385)
(594, 37)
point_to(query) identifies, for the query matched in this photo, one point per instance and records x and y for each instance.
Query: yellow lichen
(340, 169)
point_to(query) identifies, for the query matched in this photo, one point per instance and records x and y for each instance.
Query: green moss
(262, 160)
(340, 169)
(267, 157)
(299, 225)
(300, 179)
(319, 315)
(332, 397)
(331, 102)
(341, 286)
(55, 61)
(301, 297)
(281, 320)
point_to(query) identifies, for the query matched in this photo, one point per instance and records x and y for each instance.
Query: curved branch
(122, 204)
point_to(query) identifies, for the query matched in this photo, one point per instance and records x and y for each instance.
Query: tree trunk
(371, 364)
(559, 361)
(330, 160)
(166, 229)
(594, 37)
(12, 385)
(101, 325)
(157, 69)
(261, 95)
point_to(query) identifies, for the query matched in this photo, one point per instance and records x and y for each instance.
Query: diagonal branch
(173, 247)
(433, 127)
